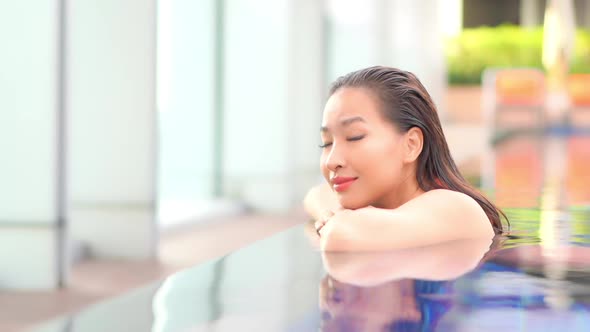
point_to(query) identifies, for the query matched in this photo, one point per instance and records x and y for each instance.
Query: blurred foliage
(504, 46)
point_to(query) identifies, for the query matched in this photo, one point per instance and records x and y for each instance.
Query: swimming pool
(536, 278)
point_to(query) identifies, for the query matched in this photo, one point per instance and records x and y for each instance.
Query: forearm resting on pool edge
(319, 200)
(433, 217)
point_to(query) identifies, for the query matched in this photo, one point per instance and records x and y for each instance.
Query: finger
(326, 215)
(319, 224)
(318, 230)
(321, 229)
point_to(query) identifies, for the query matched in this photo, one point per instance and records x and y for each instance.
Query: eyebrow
(345, 122)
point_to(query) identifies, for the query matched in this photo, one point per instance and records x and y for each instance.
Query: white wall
(266, 121)
(28, 111)
(29, 162)
(186, 99)
(306, 94)
(407, 34)
(111, 100)
(354, 37)
(110, 83)
(417, 39)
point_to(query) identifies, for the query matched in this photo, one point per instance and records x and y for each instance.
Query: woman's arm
(320, 199)
(434, 217)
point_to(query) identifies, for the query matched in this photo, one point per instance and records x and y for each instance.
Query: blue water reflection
(503, 292)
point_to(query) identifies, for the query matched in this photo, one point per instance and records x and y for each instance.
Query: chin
(352, 204)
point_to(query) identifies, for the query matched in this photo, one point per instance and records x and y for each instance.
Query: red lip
(341, 179)
(342, 183)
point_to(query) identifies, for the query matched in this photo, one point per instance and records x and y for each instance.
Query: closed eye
(350, 139)
(356, 138)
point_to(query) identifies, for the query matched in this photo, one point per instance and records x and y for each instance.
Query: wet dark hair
(406, 103)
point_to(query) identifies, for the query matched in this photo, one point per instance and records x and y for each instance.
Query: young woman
(391, 181)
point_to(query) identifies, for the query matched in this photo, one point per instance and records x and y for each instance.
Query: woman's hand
(334, 218)
(320, 199)
(314, 229)
(332, 229)
(321, 222)
(338, 218)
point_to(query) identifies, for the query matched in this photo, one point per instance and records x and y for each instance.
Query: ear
(414, 142)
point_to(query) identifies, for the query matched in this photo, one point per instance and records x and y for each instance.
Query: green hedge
(504, 46)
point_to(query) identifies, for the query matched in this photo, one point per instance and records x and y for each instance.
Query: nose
(335, 159)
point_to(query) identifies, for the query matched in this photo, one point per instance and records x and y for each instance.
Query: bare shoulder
(447, 198)
(455, 207)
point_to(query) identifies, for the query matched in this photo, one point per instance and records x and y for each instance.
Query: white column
(186, 98)
(417, 44)
(112, 128)
(356, 36)
(530, 13)
(306, 95)
(272, 92)
(450, 15)
(186, 111)
(31, 194)
(584, 10)
(407, 34)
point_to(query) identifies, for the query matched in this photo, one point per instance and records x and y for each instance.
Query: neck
(406, 191)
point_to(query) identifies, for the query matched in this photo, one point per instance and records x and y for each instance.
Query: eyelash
(352, 139)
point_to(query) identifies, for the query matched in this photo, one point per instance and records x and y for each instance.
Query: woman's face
(353, 308)
(363, 153)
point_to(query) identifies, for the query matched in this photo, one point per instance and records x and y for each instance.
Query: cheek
(324, 169)
(383, 165)
(377, 157)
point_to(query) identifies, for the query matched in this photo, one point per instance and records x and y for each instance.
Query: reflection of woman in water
(401, 305)
(391, 180)
(455, 286)
(396, 290)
